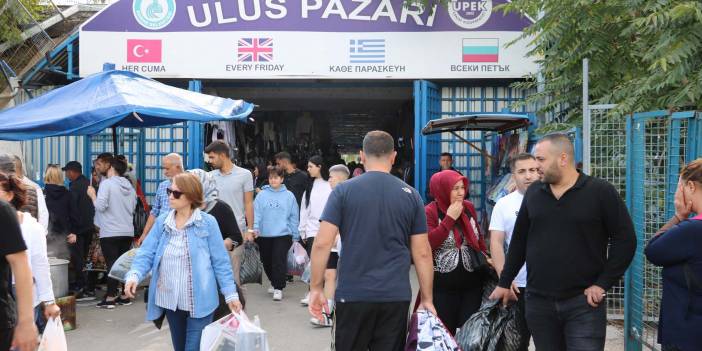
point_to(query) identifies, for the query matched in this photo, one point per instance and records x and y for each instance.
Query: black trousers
(274, 256)
(457, 295)
(522, 325)
(6, 338)
(79, 251)
(308, 246)
(567, 324)
(361, 326)
(112, 248)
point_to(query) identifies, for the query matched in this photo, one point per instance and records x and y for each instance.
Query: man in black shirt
(17, 328)
(81, 213)
(564, 227)
(295, 179)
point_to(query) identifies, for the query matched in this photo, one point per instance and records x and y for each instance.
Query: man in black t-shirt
(383, 227)
(295, 180)
(17, 328)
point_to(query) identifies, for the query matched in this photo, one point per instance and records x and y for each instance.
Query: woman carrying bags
(458, 248)
(678, 249)
(186, 257)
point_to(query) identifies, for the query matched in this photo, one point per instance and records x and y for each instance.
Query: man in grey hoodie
(114, 211)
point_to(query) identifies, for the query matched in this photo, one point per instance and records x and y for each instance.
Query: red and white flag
(144, 50)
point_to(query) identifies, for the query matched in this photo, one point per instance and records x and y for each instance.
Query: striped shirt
(160, 204)
(174, 287)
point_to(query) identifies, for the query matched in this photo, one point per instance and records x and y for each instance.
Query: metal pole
(586, 117)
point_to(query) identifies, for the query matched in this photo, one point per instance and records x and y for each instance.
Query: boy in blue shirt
(276, 217)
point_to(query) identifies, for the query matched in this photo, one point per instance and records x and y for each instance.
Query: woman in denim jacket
(187, 259)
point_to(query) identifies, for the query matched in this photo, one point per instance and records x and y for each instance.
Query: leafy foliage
(14, 19)
(644, 54)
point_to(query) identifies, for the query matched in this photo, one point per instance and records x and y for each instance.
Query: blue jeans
(569, 324)
(185, 331)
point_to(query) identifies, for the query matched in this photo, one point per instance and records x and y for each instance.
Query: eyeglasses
(176, 194)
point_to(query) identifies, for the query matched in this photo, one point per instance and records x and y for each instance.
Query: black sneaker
(85, 295)
(106, 304)
(123, 302)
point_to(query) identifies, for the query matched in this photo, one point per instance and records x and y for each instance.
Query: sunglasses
(176, 194)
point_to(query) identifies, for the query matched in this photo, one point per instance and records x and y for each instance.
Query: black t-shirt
(11, 242)
(376, 214)
(296, 182)
(226, 220)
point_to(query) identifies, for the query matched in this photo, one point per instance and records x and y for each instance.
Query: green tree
(644, 54)
(14, 18)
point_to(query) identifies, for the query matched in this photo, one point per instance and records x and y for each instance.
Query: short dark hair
(218, 147)
(446, 154)
(519, 157)
(276, 171)
(119, 165)
(106, 157)
(378, 143)
(561, 142)
(283, 155)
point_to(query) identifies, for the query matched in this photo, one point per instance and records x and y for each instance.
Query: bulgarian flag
(480, 50)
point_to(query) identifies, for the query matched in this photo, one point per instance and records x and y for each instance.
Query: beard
(551, 175)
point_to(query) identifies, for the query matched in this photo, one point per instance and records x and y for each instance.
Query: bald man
(563, 229)
(172, 165)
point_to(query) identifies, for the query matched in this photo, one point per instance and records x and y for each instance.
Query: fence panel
(660, 144)
(608, 162)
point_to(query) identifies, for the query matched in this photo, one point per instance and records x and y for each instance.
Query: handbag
(477, 259)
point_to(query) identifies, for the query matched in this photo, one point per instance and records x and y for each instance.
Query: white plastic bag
(220, 334)
(234, 332)
(297, 259)
(307, 274)
(249, 335)
(54, 339)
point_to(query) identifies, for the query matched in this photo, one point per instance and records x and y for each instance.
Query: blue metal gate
(433, 102)
(658, 144)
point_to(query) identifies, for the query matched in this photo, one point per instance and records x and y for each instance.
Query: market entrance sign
(294, 39)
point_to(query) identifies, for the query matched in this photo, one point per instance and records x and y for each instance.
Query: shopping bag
(251, 267)
(54, 338)
(122, 266)
(220, 334)
(307, 274)
(297, 259)
(428, 333)
(249, 335)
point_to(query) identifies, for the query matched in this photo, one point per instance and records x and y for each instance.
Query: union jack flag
(255, 50)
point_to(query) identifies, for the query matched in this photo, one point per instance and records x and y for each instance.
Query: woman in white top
(13, 191)
(313, 201)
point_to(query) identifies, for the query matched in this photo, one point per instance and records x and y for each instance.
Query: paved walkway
(286, 322)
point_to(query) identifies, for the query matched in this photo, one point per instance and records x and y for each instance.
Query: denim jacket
(209, 261)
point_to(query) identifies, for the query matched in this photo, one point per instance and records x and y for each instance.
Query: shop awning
(496, 122)
(113, 99)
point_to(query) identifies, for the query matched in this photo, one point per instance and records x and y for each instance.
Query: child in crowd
(276, 217)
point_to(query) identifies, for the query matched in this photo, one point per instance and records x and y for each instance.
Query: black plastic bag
(492, 327)
(251, 267)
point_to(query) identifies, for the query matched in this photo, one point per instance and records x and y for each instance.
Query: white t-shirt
(504, 215)
(34, 235)
(231, 188)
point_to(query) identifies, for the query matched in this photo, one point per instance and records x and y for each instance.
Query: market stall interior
(307, 118)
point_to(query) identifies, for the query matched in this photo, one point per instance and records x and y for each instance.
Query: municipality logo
(470, 14)
(154, 14)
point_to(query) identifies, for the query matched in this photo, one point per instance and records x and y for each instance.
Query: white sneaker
(306, 300)
(271, 290)
(277, 295)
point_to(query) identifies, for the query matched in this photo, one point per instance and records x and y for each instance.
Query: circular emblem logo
(470, 14)
(154, 14)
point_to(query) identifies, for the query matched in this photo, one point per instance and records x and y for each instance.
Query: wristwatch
(250, 231)
(49, 303)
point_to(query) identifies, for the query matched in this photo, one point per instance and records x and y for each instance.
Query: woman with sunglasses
(187, 260)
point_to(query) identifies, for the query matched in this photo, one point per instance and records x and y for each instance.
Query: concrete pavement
(287, 324)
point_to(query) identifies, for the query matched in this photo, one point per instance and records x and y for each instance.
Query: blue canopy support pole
(69, 70)
(195, 147)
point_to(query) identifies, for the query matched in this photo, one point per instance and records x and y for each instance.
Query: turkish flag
(143, 50)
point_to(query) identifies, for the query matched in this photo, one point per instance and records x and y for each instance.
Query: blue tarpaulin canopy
(113, 99)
